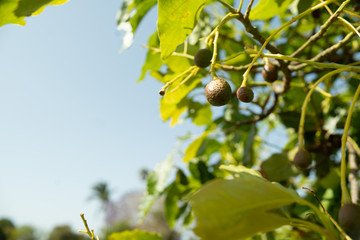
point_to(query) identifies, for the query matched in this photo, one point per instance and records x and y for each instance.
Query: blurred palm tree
(102, 192)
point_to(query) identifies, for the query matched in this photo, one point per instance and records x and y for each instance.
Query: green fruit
(302, 158)
(218, 92)
(270, 73)
(202, 58)
(245, 94)
(349, 217)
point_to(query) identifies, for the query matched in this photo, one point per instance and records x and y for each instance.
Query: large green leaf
(134, 235)
(239, 208)
(129, 16)
(266, 9)
(156, 183)
(14, 11)
(177, 19)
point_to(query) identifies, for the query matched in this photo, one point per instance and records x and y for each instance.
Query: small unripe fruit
(349, 217)
(270, 73)
(245, 94)
(218, 92)
(202, 58)
(302, 158)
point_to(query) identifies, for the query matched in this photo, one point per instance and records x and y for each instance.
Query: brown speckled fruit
(270, 72)
(349, 217)
(302, 158)
(202, 58)
(218, 92)
(245, 94)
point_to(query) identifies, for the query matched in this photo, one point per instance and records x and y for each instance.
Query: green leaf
(156, 183)
(249, 145)
(153, 61)
(192, 149)
(129, 16)
(7, 15)
(174, 103)
(299, 6)
(246, 206)
(134, 235)
(200, 113)
(177, 19)
(266, 9)
(14, 11)
(171, 207)
(27, 7)
(239, 169)
(277, 167)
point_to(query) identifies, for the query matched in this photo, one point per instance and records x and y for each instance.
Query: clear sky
(71, 114)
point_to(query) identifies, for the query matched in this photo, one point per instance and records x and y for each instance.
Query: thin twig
(258, 37)
(322, 30)
(247, 13)
(327, 214)
(89, 232)
(240, 5)
(228, 6)
(328, 51)
(173, 54)
(259, 117)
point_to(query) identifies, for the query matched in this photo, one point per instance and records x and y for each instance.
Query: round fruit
(218, 92)
(349, 217)
(202, 58)
(245, 94)
(302, 158)
(270, 72)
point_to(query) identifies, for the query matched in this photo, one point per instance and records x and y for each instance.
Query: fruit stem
(353, 172)
(345, 196)
(213, 60)
(163, 89)
(276, 32)
(225, 19)
(193, 73)
(349, 25)
(307, 99)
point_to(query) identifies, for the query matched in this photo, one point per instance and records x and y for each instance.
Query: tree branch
(258, 37)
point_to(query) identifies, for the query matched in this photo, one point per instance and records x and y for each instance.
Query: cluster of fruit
(218, 91)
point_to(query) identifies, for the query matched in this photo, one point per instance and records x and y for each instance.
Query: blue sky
(72, 114)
